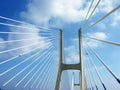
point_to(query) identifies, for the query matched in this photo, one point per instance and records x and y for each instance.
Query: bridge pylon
(63, 66)
(73, 81)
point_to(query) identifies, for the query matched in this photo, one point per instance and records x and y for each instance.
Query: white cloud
(35, 40)
(72, 51)
(99, 35)
(42, 11)
(106, 5)
(103, 8)
(93, 43)
(72, 55)
(2, 45)
(2, 48)
(102, 26)
(54, 13)
(116, 19)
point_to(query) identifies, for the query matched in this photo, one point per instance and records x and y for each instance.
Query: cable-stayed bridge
(38, 61)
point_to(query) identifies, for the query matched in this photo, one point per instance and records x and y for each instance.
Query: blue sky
(67, 15)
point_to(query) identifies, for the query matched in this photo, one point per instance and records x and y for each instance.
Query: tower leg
(82, 74)
(57, 87)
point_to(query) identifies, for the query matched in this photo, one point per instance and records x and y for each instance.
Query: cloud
(35, 39)
(72, 55)
(116, 19)
(2, 45)
(99, 35)
(56, 13)
(106, 5)
(2, 48)
(102, 26)
(72, 51)
(42, 12)
(93, 43)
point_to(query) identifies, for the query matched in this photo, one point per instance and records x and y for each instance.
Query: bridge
(40, 63)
